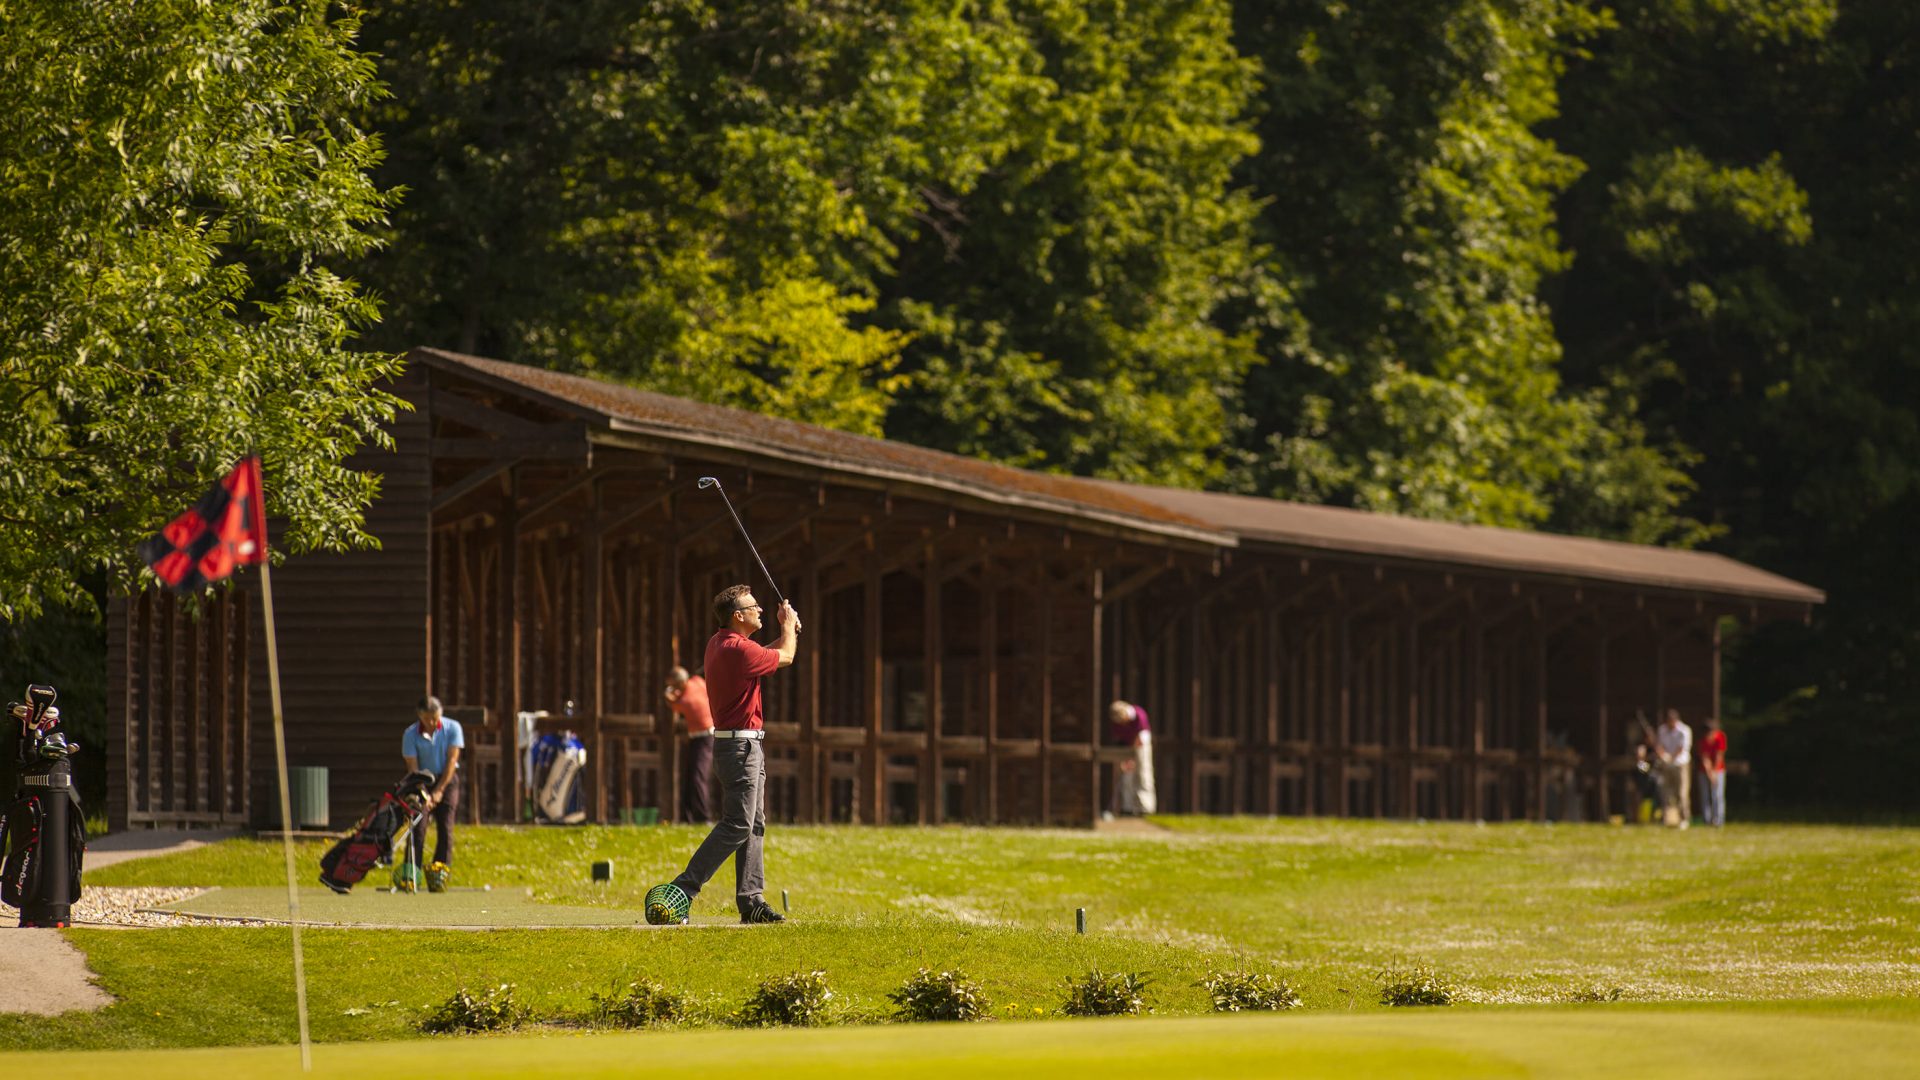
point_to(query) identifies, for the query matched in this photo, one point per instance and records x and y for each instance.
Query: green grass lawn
(1516, 913)
(1427, 1044)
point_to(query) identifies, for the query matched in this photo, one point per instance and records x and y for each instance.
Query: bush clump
(1248, 991)
(495, 1010)
(641, 1003)
(946, 995)
(1419, 985)
(1106, 993)
(796, 1000)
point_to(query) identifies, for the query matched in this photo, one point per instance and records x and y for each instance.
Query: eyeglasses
(754, 607)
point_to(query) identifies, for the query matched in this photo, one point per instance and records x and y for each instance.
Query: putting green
(366, 907)
(1600, 1041)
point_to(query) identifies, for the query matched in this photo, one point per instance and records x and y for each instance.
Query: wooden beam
(470, 483)
(443, 404)
(568, 489)
(1136, 581)
(569, 446)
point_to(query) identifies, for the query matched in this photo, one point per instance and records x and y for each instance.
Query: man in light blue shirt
(433, 745)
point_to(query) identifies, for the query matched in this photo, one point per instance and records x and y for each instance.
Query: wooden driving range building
(545, 549)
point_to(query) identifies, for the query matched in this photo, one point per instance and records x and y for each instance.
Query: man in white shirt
(1673, 744)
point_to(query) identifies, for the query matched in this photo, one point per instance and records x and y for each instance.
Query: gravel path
(128, 907)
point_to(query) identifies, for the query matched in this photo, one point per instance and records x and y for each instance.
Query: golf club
(714, 483)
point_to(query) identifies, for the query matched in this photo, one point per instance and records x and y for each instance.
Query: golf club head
(709, 481)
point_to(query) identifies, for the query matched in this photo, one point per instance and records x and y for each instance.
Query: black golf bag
(43, 836)
(371, 842)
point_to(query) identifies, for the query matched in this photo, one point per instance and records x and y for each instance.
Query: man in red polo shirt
(735, 666)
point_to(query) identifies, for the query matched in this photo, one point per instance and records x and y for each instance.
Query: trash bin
(307, 790)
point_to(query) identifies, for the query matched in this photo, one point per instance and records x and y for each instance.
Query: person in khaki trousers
(1673, 745)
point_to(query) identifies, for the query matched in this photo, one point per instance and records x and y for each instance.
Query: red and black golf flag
(226, 529)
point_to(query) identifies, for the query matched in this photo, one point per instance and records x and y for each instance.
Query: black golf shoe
(761, 913)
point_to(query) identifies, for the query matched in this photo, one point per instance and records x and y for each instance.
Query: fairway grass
(1515, 914)
(1608, 1041)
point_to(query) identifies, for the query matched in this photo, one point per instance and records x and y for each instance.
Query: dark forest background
(1644, 271)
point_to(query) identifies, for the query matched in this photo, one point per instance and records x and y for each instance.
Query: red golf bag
(371, 843)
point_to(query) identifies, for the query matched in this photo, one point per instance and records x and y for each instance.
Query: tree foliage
(1747, 262)
(697, 197)
(175, 177)
(1093, 305)
(1411, 195)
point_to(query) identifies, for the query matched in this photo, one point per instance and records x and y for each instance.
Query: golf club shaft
(749, 540)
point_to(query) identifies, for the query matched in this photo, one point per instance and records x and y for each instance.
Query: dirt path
(41, 972)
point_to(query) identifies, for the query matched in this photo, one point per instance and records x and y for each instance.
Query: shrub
(1248, 991)
(1106, 993)
(948, 995)
(495, 1010)
(643, 1003)
(796, 1000)
(1418, 985)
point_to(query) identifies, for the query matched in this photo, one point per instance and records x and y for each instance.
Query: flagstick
(286, 820)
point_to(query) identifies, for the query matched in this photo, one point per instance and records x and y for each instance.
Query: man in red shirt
(1713, 763)
(735, 666)
(687, 695)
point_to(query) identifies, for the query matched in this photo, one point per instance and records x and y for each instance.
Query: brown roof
(1328, 528)
(624, 409)
(1223, 520)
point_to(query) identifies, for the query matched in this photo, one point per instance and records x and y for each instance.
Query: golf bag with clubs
(395, 813)
(43, 837)
(557, 762)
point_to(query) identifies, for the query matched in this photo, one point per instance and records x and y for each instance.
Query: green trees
(1411, 196)
(175, 179)
(1092, 305)
(1746, 233)
(697, 197)
(1009, 216)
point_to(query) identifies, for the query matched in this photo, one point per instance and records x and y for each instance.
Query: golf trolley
(397, 812)
(43, 837)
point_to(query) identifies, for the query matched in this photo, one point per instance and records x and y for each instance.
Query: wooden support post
(1540, 808)
(1477, 643)
(1410, 792)
(508, 803)
(1196, 690)
(1659, 671)
(1271, 656)
(1046, 697)
(667, 614)
(873, 675)
(1095, 706)
(811, 789)
(932, 802)
(1344, 743)
(593, 641)
(990, 651)
(1600, 748)
(1713, 686)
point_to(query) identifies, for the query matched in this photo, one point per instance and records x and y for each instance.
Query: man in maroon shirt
(735, 666)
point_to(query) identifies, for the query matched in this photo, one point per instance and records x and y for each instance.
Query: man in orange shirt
(687, 695)
(1713, 763)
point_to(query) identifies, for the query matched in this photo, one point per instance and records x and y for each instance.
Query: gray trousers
(742, 768)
